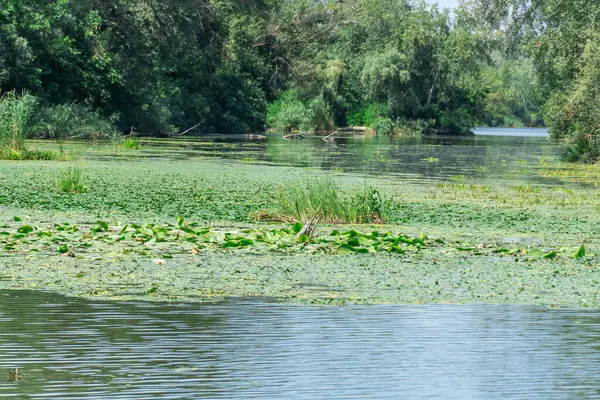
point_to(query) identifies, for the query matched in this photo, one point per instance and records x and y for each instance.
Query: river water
(486, 155)
(255, 349)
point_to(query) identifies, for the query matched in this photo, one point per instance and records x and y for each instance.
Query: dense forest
(230, 66)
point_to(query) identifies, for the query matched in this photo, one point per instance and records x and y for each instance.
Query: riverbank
(488, 241)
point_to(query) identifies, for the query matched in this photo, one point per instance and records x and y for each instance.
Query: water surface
(257, 349)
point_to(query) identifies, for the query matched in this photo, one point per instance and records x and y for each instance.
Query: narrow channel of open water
(490, 153)
(241, 349)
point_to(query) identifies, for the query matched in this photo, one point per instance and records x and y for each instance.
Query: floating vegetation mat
(165, 240)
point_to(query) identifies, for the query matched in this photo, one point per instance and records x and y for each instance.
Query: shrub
(15, 113)
(298, 201)
(290, 113)
(72, 180)
(366, 115)
(71, 121)
(321, 115)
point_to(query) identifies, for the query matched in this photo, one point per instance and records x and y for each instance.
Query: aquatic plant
(160, 242)
(36, 155)
(127, 143)
(72, 121)
(300, 200)
(15, 112)
(72, 180)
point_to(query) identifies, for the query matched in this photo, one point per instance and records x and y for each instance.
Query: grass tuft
(298, 201)
(127, 143)
(72, 180)
(15, 112)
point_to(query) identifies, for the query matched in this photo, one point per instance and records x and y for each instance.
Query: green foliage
(127, 143)
(71, 121)
(562, 39)
(299, 201)
(290, 113)
(409, 58)
(72, 180)
(15, 112)
(35, 155)
(161, 66)
(512, 94)
(366, 115)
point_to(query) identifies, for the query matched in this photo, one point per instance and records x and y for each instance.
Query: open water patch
(73, 348)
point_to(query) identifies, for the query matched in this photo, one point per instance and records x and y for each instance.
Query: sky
(444, 3)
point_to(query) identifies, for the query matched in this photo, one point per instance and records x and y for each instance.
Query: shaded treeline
(562, 40)
(395, 66)
(161, 67)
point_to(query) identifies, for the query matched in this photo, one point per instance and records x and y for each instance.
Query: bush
(456, 121)
(71, 121)
(15, 113)
(290, 113)
(366, 115)
(299, 201)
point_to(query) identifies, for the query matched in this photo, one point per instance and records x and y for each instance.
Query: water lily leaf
(230, 244)
(344, 249)
(353, 243)
(361, 250)
(363, 241)
(17, 219)
(335, 233)
(187, 230)
(180, 221)
(303, 239)
(25, 229)
(146, 231)
(396, 249)
(551, 254)
(246, 242)
(103, 226)
(535, 253)
(297, 227)
(580, 253)
(64, 249)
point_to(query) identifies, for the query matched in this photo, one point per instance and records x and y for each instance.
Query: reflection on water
(72, 348)
(490, 153)
(528, 132)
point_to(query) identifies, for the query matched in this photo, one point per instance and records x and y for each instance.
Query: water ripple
(259, 350)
